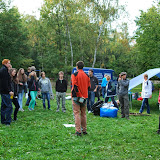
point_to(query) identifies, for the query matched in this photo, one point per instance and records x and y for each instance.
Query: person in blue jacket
(103, 85)
(110, 91)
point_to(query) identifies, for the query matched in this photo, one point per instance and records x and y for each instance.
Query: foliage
(69, 31)
(148, 39)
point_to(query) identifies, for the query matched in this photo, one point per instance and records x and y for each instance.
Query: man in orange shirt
(80, 84)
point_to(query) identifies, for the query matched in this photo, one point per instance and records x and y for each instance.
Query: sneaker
(64, 111)
(85, 133)
(89, 112)
(22, 110)
(123, 116)
(30, 109)
(57, 110)
(78, 134)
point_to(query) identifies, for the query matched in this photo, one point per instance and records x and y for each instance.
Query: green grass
(40, 134)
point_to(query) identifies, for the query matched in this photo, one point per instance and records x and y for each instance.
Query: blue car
(99, 73)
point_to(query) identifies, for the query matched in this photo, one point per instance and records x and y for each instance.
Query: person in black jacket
(110, 91)
(15, 89)
(61, 88)
(5, 90)
(33, 88)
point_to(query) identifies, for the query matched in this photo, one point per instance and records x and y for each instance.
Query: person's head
(12, 72)
(90, 72)
(21, 75)
(13, 75)
(108, 78)
(7, 63)
(80, 65)
(43, 75)
(33, 68)
(105, 75)
(145, 76)
(61, 74)
(21, 71)
(29, 69)
(123, 75)
(33, 73)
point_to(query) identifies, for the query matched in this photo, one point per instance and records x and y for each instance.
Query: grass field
(40, 134)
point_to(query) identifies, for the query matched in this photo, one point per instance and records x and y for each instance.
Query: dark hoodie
(5, 80)
(33, 84)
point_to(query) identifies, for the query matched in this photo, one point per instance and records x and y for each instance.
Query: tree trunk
(95, 52)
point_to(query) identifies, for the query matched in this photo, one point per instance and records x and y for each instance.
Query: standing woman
(103, 85)
(110, 91)
(146, 93)
(33, 88)
(22, 77)
(46, 89)
(14, 88)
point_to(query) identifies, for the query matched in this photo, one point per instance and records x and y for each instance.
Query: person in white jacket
(146, 93)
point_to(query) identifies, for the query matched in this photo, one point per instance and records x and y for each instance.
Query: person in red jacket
(80, 84)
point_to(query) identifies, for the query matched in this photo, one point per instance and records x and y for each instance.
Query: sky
(133, 8)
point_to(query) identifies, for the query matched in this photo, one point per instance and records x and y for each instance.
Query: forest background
(72, 30)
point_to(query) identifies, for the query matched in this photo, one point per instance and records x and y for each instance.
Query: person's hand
(21, 84)
(32, 73)
(150, 96)
(95, 90)
(11, 93)
(119, 79)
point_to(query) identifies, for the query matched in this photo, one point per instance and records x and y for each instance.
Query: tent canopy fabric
(139, 79)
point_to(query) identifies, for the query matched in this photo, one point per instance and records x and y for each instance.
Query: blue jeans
(46, 96)
(103, 91)
(20, 99)
(6, 109)
(145, 101)
(90, 100)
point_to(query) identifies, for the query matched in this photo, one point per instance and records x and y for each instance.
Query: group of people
(14, 84)
(84, 88)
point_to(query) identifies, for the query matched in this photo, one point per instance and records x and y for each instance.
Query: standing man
(92, 90)
(6, 93)
(122, 92)
(61, 88)
(80, 85)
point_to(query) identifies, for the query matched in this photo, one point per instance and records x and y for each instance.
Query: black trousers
(15, 102)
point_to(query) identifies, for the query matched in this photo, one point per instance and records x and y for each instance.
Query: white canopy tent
(139, 79)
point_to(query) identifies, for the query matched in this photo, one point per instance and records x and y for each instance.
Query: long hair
(21, 77)
(35, 75)
(13, 78)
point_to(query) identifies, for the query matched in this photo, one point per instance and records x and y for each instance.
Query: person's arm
(150, 89)
(40, 84)
(117, 89)
(124, 83)
(50, 87)
(65, 85)
(56, 85)
(95, 90)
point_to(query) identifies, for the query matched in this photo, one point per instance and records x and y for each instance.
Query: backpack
(96, 107)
